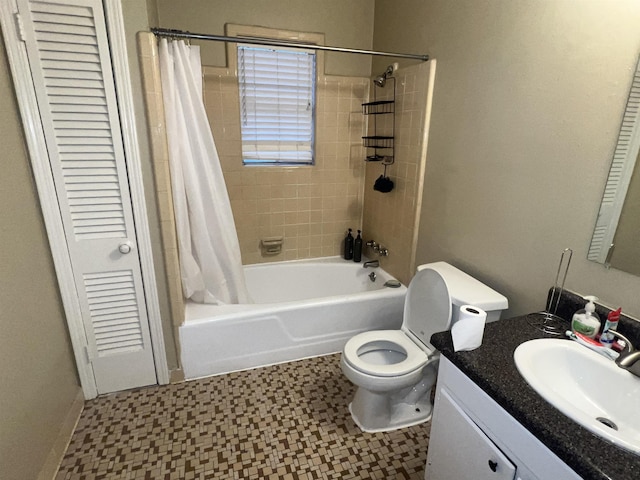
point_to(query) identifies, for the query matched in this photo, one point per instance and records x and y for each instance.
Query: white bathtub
(302, 308)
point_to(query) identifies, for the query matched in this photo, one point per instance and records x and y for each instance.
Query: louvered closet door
(70, 63)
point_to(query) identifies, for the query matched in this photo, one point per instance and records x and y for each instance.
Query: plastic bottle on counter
(586, 321)
(611, 324)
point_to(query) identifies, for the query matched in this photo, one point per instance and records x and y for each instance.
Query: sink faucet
(371, 263)
(629, 359)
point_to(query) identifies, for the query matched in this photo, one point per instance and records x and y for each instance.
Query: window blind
(277, 105)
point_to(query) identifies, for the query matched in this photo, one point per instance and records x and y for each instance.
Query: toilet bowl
(395, 370)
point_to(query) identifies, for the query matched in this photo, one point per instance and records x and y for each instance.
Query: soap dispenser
(585, 320)
(357, 248)
(348, 246)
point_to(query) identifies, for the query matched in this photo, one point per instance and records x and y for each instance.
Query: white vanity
(488, 423)
(472, 437)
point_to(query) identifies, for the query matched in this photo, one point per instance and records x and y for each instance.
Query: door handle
(124, 247)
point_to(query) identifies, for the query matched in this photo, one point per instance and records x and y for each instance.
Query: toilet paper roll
(467, 332)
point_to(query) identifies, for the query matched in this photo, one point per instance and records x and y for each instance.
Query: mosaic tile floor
(288, 421)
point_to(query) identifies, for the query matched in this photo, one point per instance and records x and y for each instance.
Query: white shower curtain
(210, 262)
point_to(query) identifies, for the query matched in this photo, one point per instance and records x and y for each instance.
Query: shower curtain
(210, 262)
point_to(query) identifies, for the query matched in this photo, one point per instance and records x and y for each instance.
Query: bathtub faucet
(379, 249)
(371, 263)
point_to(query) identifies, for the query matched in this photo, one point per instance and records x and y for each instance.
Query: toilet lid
(427, 306)
(416, 358)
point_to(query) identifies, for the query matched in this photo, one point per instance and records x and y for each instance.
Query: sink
(587, 387)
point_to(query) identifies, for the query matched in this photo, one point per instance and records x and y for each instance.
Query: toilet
(395, 370)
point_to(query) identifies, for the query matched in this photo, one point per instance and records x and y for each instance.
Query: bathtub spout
(372, 264)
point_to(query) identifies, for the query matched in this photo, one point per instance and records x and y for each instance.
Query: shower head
(381, 80)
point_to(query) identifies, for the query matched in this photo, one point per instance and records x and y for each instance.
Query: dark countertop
(492, 368)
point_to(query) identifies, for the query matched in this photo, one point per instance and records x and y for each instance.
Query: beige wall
(39, 380)
(527, 103)
(345, 24)
(152, 13)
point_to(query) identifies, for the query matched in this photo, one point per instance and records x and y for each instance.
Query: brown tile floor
(287, 421)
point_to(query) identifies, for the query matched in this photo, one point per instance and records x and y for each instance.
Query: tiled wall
(311, 207)
(391, 218)
(148, 54)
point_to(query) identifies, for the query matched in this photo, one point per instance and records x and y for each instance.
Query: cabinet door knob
(493, 465)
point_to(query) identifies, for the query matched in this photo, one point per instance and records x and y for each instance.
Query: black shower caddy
(382, 145)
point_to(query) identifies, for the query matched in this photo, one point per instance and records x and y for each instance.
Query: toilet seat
(415, 357)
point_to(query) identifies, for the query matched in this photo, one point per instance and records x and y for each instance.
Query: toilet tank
(466, 290)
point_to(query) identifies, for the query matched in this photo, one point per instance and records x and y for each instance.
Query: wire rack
(548, 321)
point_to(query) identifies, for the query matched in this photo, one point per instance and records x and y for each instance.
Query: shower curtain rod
(164, 32)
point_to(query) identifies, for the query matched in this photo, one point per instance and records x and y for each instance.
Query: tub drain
(608, 423)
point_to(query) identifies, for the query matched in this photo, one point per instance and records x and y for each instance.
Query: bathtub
(302, 308)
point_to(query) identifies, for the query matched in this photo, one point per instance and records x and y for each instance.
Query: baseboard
(54, 459)
(177, 376)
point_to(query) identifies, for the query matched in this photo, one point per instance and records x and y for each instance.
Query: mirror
(615, 236)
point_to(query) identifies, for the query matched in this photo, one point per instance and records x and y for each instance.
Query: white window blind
(277, 104)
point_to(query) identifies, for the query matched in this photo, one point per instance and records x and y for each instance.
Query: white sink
(586, 387)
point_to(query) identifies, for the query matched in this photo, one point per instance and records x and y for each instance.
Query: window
(277, 105)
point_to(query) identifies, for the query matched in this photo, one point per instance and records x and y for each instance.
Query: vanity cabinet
(474, 454)
(472, 437)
